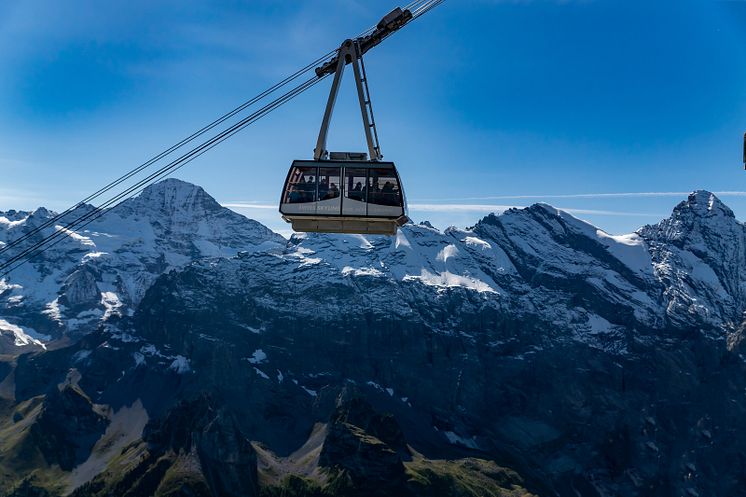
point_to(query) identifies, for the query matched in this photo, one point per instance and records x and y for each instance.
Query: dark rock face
(80, 290)
(565, 415)
(194, 450)
(67, 427)
(227, 460)
(367, 447)
(27, 489)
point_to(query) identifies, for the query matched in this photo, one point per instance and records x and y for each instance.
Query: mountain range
(176, 348)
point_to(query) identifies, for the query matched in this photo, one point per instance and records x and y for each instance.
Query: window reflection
(328, 183)
(301, 186)
(383, 188)
(355, 180)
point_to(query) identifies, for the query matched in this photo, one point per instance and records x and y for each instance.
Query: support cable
(417, 7)
(50, 222)
(61, 234)
(165, 153)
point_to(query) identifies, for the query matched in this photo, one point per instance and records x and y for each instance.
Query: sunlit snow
(180, 365)
(23, 336)
(257, 357)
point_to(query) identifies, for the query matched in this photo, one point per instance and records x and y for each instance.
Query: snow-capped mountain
(104, 269)
(699, 257)
(690, 268)
(589, 363)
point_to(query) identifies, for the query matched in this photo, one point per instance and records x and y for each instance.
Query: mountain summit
(703, 203)
(173, 199)
(699, 254)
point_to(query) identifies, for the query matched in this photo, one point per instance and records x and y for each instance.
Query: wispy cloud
(532, 2)
(588, 196)
(454, 208)
(18, 199)
(249, 205)
(7, 162)
(487, 208)
(462, 207)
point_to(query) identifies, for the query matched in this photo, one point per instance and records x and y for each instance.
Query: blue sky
(482, 103)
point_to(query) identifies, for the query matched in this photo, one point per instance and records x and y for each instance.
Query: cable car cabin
(343, 196)
(344, 192)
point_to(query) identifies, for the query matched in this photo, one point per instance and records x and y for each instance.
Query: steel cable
(61, 234)
(190, 138)
(420, 7)
(165, 153)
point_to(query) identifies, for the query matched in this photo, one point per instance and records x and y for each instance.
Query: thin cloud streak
(249, 205)
(592, 196)
(503, 208)
(446, 208)
(19, 199)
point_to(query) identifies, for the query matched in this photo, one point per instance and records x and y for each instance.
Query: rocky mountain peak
(172, 196)
(702, 203)
(703, 240)
(42, 212)
(104, 269)
(37, 217)
(14, 215)
(702, 214)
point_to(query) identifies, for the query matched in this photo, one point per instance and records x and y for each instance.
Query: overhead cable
(417, 7)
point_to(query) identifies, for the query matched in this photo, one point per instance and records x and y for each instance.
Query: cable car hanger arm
(391, 22)
(351, 52)
(350, 49)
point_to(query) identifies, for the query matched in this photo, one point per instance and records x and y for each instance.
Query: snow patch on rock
(23, 336)
(257, 357)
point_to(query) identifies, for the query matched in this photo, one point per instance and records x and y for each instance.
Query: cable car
(343, 195)
(348, 192)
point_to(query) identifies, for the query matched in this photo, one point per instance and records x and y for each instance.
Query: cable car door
(355, 192)
(329, 191)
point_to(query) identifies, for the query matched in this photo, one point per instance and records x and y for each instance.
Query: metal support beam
(391, 22)
(366, 108)
(321, 152)
(350, 53)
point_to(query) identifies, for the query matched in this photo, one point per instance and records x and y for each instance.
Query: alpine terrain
(176, 348)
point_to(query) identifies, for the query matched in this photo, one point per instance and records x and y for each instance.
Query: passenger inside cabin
(374, 193)
(329, 192)
(323, 189)
(295, 195)
(333, 191)
(388, 195)
(309, 192)
(357, 192)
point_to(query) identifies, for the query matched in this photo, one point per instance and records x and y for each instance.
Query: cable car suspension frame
(326, 194)
(351, 52)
